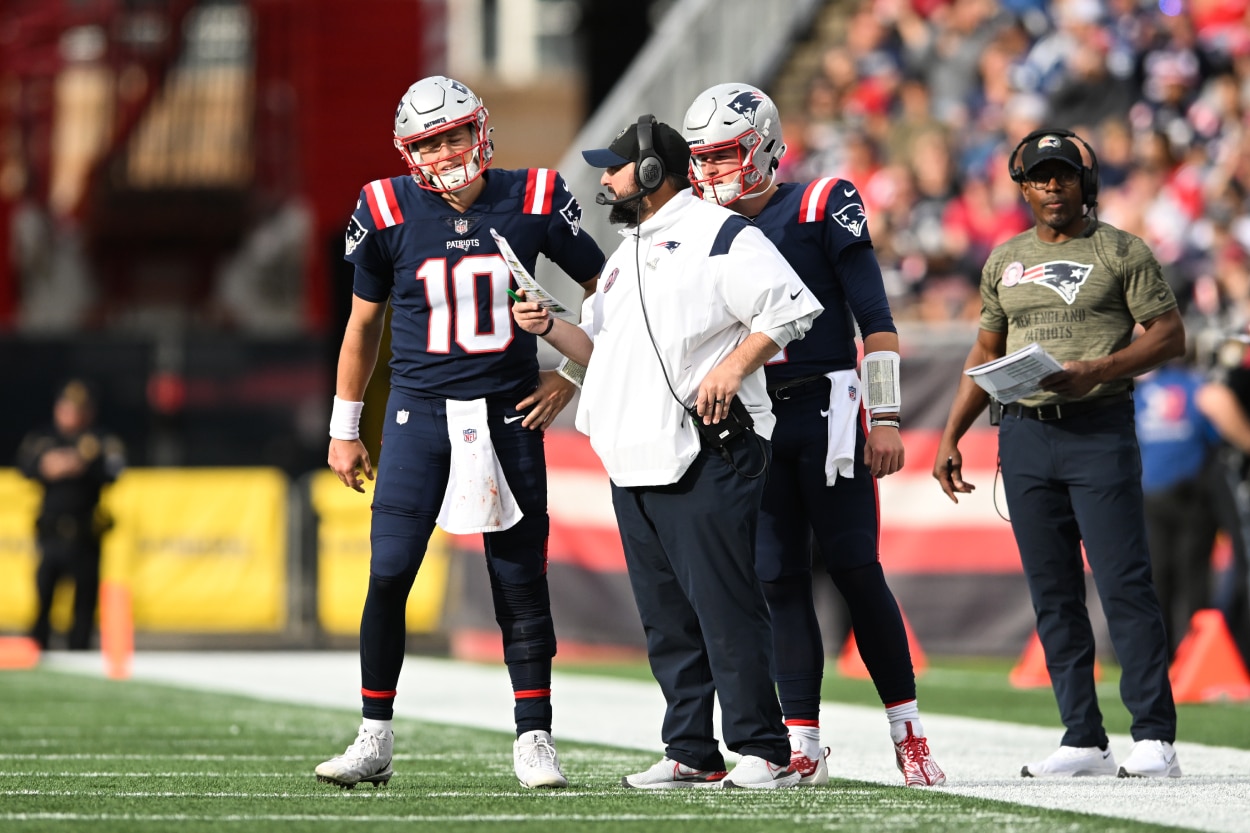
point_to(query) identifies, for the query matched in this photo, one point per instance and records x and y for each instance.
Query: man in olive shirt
(1069, 455)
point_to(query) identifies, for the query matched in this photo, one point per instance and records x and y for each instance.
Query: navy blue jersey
(452, 334)
(821, 229)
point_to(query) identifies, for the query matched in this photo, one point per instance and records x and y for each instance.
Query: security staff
(72, 461)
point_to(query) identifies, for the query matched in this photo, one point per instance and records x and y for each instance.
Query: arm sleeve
(860, 273)
(569, 245)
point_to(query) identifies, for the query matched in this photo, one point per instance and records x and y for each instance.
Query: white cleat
(668, 774)
(368, 759)
(812, 771)
(1072, 762)
(915, 761)
(534, 758)
(755, 773)
(1151, 759)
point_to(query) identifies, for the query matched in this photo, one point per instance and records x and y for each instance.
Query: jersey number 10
(456, 302)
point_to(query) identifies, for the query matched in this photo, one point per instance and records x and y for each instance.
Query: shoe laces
(540, 754)
(914, 749)
(368, 746)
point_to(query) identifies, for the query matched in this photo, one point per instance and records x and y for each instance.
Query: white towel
(844, 394)
(478, 498)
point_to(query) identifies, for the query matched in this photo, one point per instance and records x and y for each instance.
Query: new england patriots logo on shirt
(746, 104)
(671, 245)
(852, 218)
(1063, 276)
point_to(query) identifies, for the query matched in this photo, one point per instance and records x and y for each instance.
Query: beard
(627, 213)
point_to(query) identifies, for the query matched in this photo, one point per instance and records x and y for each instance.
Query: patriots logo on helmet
(355, 235)
(852, 218)
(671, 245)
(746, 103)
(1063, 276)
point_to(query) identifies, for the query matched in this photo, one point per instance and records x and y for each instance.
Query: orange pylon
(117, 629)
(851, 664)
(1207, 665)
(1030, 671)
(18, 652)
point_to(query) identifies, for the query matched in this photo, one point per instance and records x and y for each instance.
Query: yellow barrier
(19, 504)
(202, 550)
(343, 562)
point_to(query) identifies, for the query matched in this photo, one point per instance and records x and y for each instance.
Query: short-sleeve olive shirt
(1078, 299)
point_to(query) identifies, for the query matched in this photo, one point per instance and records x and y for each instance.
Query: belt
(787, 388)
(1064, 410)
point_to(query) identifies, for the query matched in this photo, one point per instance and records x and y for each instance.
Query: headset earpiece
(1089, 173)
(649, 172)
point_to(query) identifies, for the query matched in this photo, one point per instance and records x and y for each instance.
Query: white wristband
(571, 370)
(880, 378)
(345, 419)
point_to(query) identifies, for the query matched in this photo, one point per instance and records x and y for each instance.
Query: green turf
(99, 756)
(978, 687)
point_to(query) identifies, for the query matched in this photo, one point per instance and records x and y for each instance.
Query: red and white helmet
(435, 105)
(738, 118)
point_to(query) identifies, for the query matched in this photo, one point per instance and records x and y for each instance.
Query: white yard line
(982, 758)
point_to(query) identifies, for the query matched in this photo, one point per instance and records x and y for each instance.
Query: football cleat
(367, 759)
(812, 771)
(535, 761)
(755, 773)
(669, 774)
(1151, 759)
(914, 760)
(1072, 762)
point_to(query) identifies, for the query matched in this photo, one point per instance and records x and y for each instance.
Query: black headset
(1089, 174)
(649, 173)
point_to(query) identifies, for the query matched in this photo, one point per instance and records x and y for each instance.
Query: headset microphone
(602, 199)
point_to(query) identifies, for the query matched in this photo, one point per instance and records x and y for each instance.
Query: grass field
(86, 754)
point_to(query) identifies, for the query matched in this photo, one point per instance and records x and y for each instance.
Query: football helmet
(432, 106)
(740, 119)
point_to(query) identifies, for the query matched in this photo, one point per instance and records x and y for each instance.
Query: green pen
(514, 296)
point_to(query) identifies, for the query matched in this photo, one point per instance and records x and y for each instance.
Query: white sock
(381, 728)
(805, 739)
(900, 716)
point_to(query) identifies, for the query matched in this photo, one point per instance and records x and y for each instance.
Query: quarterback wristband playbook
(345, 419)
(881, 391)
(571, 370)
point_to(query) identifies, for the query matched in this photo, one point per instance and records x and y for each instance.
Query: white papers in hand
(524, 280)
(1015, 375)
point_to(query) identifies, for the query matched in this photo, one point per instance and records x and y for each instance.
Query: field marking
(982, 758)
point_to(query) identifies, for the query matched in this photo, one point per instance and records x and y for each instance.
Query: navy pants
(845, 521)
(690, 550)
(1075, 480)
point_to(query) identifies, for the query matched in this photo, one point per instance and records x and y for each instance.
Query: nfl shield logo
(470, 435)
(851, 392)
(460, 225)
(401, 417)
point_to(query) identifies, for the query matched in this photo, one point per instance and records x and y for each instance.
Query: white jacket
(710, 278)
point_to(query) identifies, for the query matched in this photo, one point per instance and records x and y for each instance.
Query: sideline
(982, 758)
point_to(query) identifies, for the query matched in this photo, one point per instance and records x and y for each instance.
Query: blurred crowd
(923, 101)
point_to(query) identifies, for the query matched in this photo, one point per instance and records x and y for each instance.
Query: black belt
(1063, 410)
(787, 388)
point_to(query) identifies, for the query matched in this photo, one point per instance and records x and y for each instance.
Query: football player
(822, 480)
(468, 404)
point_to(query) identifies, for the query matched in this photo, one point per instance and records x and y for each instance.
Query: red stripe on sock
(900, 703)
(815, 724)
(530, 693)
(378, 695)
